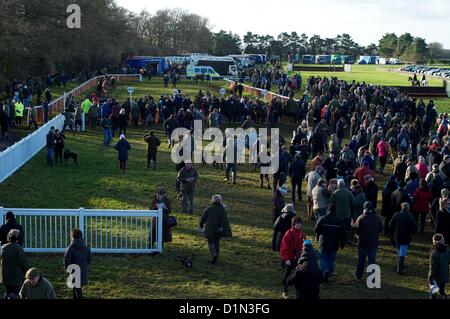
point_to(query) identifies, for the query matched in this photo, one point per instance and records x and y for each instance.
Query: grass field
(247, 269)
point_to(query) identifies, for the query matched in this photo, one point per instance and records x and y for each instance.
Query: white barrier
(104, 231)
(17, 155)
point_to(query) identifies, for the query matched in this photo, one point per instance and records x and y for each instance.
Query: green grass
(247, 268)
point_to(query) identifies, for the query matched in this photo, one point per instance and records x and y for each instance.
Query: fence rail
(105, 231)
(259, 92)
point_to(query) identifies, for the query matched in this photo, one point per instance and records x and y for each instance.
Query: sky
(366, 21)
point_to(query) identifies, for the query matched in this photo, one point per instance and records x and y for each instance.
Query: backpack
(403, 143)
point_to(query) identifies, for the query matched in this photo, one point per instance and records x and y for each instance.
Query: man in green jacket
(36, 286)
(14, 264)
(217, 226)
(344, 201)
(19, 112)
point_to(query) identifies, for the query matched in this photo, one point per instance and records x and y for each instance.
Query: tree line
(35, 40)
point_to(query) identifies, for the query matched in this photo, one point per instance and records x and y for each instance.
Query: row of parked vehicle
(428, 70)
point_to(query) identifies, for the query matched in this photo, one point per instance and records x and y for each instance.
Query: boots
(234, 178)
(262, 184)
(227, 176)
(401, 266)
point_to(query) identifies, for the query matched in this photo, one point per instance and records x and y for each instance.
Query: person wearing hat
(36, 286)
(162, 201)
(13, 264)
(11, 223)
(78, 254)
(306, 277)
(290, 251)
(123, 147)
(282, 225)
(152, 150)
(331, 232)
(367, 228)
(215, 224)
(439, 265)
(401, 227)
(320, 197)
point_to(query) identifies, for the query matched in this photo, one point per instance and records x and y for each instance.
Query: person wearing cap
(439, 265)
(13, 264)
(152, 150)
(123, 147)
(290, 251)
(11, 223)
(188, 178)
(367, 228)
(78, 254)
(306, 277)
(216, 226)
(401, 227)
(320, 197)
(443, 215)
(282, 225)
(331, 232)
(36, 286)
(297, 172)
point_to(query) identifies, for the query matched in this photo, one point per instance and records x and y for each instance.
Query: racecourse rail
(104, 231)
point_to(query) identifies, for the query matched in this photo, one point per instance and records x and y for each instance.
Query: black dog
(187, 262)
(70, 155)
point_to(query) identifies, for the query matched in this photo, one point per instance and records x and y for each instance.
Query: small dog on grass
(68, 154)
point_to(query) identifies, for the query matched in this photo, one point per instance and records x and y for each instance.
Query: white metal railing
(104, 231)
(17, 155)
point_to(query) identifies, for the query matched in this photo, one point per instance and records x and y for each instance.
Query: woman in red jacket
(422, 198)
(291, 250)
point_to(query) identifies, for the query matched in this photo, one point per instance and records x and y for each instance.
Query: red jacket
(292, 240)
(422, 201)
(361, 172)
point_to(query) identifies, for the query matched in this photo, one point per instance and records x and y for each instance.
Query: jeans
(327, 260)
(107, 136)
(402, 250)
(286, 273)
(188, 202)
(362, 255)
(320, 212)
(296, 184)
(50, 156)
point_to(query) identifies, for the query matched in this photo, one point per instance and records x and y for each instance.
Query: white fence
(105, 231)
(17, 155)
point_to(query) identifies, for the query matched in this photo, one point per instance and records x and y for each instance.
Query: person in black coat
(401, 228)
(386, 202)
(371, 190)
(78, 254)
(297, 172)
(329, 166)
(398, 197)
(11, 223)
(282, 225)
(123, 147)
(306, 277)
(443, 218)
(331, 231)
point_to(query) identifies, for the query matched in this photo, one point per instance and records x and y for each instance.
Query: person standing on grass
(290, 251)
(344, 202)
(59, 146)
(123, 147)
(161, 201)
(422, 198)
(439, 261)
(278, 202)
(312, 179)
(106, 124)
(13, 264)
(123, 121)
(78, 254)
(36, 286)
(51, 142)
(383, 151)
(33, 118)
(443, 216)
(152, 151)
(188, 178)
(367, 228)
(282, 225)
(331, 231)
(401, 228)
(214, 223)
(306, 276)
(78, 118)
(297, 172)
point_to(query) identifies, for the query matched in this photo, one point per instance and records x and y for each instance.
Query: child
(439, 261)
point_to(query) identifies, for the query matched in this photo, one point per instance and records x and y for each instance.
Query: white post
(160, 231)
(2, 214)
(81, 219)
(131, 101)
